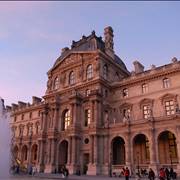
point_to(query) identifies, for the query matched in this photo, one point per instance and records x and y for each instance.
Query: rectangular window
(166, 83)
(169, 107)
(144, 88)
(125, 92)
(126, 113)
(146, 111)
(87, 117)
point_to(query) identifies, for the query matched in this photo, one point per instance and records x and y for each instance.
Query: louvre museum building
(96, 116)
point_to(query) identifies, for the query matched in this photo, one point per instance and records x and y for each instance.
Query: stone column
(69, 151)
(96, 149)
(41, 156)
(72, 113)
(96, 113)
(73, 150)
(92, 113)
(72, 156)
(53, 154)
(154, 152)
(178, 148)
(106, 149)
(128, 150)
(29, 153)
(91, 161)
(56, 118)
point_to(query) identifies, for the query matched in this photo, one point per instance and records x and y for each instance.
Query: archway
(167, 148)
(118, 151)
(141, 152)
(63, 153)
(34, 153)
(24, 155)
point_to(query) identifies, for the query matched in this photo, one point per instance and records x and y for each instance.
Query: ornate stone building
(96, 116)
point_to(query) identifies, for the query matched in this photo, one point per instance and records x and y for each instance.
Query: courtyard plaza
(58, 176)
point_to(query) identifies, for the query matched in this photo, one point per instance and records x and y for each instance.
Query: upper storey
(88, 59)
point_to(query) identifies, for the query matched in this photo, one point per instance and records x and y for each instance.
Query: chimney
(8, 108)
(108, 39)
(14, 106)
(174, 60)
(21, 104)
(36, 100)
(64, 50)
(138, 67)
(153, 66)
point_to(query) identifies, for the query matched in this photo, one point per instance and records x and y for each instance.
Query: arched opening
(167, 148)
(24, 156)
(141, 151)
(34, 153)
(63, 153)
(118, 151)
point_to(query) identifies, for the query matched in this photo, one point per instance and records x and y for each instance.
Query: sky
(32, 35)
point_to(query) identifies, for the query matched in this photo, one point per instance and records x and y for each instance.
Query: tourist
(66, 172)
(172, 174)
(162, 174)
(34, 170)
(167, 174)
(126, 173)
(151, 174)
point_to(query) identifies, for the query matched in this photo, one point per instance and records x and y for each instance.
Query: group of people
(31, 169)
(167, 174)
(64, 171)
(164, 174)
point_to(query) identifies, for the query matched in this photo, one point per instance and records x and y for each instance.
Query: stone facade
(98, 117)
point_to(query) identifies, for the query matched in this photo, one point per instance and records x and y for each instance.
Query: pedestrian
(151, 174)
(34, 170)
(167, 174)
(126, 173)
(172, 174)
(162, 174)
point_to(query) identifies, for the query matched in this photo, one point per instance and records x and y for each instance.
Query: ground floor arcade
(100, 154)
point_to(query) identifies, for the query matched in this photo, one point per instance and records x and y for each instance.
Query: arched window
(89, 71)
(66, 119)
(105, 71)
(166, 83)
(71, 78)
(56, 83)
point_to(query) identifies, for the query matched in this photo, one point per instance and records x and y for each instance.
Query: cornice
(146, 76)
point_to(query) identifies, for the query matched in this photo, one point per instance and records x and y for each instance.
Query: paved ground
(58, 176)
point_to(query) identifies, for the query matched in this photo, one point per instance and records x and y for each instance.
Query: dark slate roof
(88, 43)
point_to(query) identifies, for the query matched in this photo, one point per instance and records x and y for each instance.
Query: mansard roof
(86, 43)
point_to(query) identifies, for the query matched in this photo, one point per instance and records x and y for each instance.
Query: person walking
(162, 174)
(151, 174)
(126, 173)
(167, 174)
